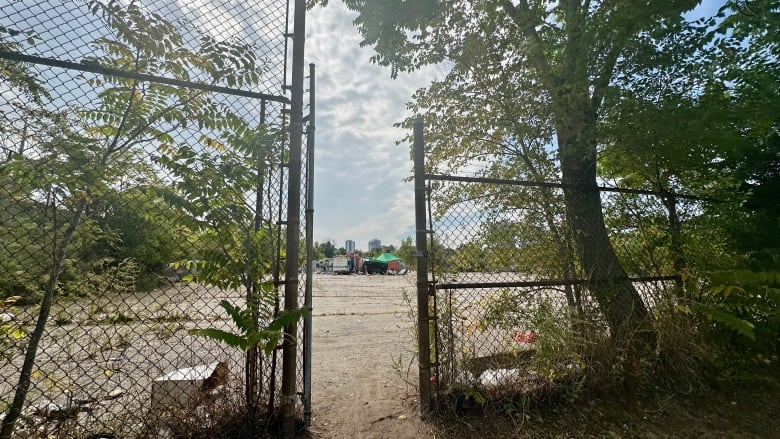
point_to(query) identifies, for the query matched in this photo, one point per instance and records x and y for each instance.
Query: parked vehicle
(341, 265)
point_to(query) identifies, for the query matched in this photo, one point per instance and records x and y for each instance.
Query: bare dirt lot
(364, 372)
(363, 344)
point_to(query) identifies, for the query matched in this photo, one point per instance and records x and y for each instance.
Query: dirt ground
(363, 377)
(362, 360)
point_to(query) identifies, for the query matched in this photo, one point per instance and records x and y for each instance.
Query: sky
(359, 170)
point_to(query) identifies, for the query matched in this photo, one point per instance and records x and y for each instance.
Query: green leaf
(228, 338)
(731, 321)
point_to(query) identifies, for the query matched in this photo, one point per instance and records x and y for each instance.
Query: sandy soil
(362, 363)
(362, 360)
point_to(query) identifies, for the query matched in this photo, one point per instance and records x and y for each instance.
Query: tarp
(387, 257)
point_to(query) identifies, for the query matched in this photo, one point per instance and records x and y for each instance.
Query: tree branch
(601, 82)
(522, 17)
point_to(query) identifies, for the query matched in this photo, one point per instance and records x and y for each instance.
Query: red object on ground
(525, 336)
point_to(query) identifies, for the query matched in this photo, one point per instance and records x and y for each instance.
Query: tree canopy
(583, 92)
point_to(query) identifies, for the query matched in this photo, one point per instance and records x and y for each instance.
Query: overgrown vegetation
(113, 198)
(648, 97)
(636, 94)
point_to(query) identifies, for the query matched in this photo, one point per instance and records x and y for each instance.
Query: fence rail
(500, 260)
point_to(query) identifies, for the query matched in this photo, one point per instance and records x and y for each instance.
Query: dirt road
(363, 344)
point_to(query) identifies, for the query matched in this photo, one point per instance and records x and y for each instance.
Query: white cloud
(359, 170)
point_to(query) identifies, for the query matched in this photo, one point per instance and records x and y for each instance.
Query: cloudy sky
(359, 170)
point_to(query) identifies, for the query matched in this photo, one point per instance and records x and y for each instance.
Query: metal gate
(153, 181)
(489, 277)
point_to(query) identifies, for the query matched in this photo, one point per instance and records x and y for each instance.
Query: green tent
(386, 257)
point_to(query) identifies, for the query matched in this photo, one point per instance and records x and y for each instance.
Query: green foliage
(145, 226)
(710, 128)
(20, 76)
(106, 277)
(744, 308)
(249, 335)
(67, 162)
(562, 345)
(326, 249)
(470, 392)
(441, 258)
(234, 242)
(406, 252)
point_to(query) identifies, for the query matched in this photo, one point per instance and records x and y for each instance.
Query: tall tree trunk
(59, 252)
(608, 282)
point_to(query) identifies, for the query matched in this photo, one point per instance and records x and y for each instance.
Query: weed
(403, 370)
(63, 319)
(166, 331)
(169, 316)
(120, 340)
(116, 318)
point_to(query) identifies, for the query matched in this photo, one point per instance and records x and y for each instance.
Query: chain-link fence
(144, 164)
(504, 267)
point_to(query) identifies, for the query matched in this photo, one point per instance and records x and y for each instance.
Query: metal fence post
(290, 346)
(307, 323)
(423, 319)
(678, 256)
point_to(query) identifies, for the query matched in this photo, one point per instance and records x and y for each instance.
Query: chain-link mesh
(503, 259)
(142, 197)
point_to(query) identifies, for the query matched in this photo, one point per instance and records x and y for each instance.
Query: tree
(146, 227)
(558, 63)
(406, 253)
(706, 122)
(326, 248)
(749, 39)
(710, 126)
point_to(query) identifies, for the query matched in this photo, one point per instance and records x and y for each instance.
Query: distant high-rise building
(374, 244)
(350, 246)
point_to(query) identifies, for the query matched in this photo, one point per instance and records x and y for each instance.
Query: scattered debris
(181, 387)
(53, 411)
(114, 394)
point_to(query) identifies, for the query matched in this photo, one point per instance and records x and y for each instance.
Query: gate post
(307, 301)
(291, 264)
(423, 318)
